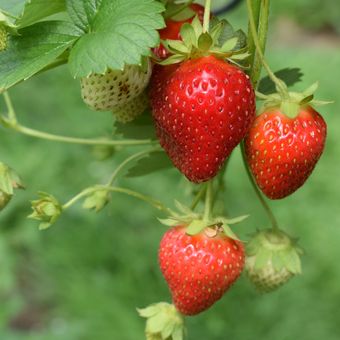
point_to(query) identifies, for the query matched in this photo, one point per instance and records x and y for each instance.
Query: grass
(84, 277)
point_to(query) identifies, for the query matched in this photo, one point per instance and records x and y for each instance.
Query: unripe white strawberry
(272, 260)
(106, 92)
(128, 112)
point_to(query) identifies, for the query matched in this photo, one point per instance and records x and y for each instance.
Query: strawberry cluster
(203, 106)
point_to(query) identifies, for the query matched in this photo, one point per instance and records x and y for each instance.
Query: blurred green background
(84, 277)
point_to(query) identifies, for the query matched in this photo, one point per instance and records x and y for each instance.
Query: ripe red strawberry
(202, 109)
(282, 152)
(199, 269)
(172, 30)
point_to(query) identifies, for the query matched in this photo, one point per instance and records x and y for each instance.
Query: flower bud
(97, 200)
(47, 209)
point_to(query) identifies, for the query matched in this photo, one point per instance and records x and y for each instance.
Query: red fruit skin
(202, 110)
(199, 269)
(172, 30)
(282, 152)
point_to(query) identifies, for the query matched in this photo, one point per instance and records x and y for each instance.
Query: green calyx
(196, 223)
(164, 322)
(9, 180)
(276, 249)
(221, 41)
(290, 103)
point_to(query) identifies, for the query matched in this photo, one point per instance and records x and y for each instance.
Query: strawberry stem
(10, 121)
(271, 216)
(198, 197)
(280, 85)
(155, 203)
(206, 20)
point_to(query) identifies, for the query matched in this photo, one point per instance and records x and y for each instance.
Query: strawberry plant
(184, 89)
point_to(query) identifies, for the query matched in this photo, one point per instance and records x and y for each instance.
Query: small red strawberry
(282, 151)
(199, 269)
(202, 110)
(172, 30)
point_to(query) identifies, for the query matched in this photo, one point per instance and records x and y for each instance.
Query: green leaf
(36, 47)
(141, 128)
(290, 76)
(117, 33)
(174, 59)
(195, 227)
(36, 10)
(154, 162)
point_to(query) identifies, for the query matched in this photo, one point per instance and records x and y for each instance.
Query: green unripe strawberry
(128, 112)
(106, 92)
(272, 260)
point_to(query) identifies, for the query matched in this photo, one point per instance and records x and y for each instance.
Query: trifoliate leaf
(36, 10)
(36, 47)
(290, 76)
(115, 33)
(151, 163)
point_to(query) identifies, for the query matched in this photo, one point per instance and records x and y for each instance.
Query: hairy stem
(266, 207)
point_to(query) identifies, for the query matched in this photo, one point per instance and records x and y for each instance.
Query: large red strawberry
(172, 30)
(202, 109)
(199, 268)
(282, 152)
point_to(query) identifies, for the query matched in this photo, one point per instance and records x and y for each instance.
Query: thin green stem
(128, 160)
(208, 201)
(155, 203)
(206, 19)
(83, 141)
(11, 112)
(281, 86)
(266, 207)
(198, 197)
